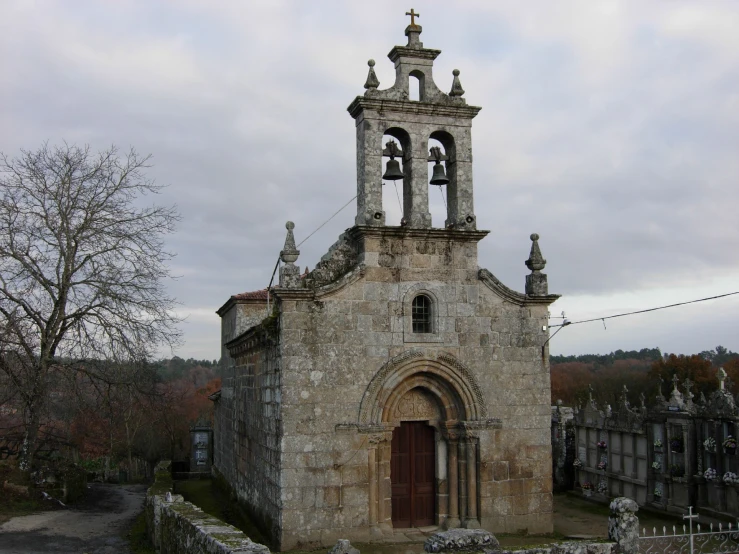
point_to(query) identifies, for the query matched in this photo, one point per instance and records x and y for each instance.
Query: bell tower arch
(435, 114)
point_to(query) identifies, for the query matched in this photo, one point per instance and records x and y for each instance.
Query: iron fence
(692, 540)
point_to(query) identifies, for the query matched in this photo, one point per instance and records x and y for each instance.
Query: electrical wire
(602, 319)
(272, 278)
(329, 219)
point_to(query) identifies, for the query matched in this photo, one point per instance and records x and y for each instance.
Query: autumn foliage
(641, 372)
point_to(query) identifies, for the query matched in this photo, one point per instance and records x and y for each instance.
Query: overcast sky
(609, 128)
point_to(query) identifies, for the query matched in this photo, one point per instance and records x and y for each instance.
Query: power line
(644, 311)
(329, 219)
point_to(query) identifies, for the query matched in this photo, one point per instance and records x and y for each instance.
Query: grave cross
(690, 517)
(413, 15)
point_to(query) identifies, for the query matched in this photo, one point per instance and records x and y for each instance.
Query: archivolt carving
(445, 376)
(416, 405)
(455, 363)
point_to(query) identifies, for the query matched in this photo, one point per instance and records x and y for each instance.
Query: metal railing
(690, 541)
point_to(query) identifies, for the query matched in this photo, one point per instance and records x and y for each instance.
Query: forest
(117, 417)
(642, 372)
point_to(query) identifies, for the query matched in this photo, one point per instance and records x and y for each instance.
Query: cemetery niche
(679, 452)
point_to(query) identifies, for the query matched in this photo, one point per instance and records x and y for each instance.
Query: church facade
(397, 384)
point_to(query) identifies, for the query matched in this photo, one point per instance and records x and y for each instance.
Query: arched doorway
(421, 414)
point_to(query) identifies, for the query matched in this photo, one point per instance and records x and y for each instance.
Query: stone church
(398, 384)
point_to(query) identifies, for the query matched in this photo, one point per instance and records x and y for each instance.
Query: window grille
(421, 314)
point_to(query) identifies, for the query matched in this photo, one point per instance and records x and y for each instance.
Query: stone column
(623, 525)
(384, 497)
(416, 187)
(373, 485)
(471, 521)
(453, 519)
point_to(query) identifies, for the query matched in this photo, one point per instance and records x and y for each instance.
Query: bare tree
(82, 269)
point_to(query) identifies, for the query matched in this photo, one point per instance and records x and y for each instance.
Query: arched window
(421, 314)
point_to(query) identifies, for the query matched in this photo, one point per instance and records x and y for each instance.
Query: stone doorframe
(461, 413)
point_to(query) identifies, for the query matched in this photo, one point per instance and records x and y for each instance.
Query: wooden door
(412, 475)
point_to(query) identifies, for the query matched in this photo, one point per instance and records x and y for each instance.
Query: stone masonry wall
(333, 345)
(179, 527)
(247, 428)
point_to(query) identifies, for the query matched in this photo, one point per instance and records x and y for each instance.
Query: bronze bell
(393, 171)
(438, 177)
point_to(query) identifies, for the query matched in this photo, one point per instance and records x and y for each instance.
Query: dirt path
(93, 527)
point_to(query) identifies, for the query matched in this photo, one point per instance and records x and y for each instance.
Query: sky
(611, 129)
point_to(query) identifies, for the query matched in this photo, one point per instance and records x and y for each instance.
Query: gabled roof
(252, 297)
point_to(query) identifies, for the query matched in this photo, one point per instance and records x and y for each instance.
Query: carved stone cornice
(344, 281)
(457, 111)
(452, 235)
(494, 284)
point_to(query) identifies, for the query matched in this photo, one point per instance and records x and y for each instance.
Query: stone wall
(179, 527)
(248, 426)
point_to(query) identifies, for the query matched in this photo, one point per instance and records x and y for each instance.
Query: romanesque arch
(453, 405)
(463, 397)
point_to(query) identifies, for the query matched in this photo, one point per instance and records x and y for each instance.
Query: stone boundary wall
(176, 526)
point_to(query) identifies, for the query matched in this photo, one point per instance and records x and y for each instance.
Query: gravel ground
(95, 526)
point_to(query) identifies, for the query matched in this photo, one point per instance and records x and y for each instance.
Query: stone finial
(660, 396)
(289, 273)
(676, 397)
(625, 398)
(457, 89)
(536, 282)
(289, 253)
(536, 261)
(721, 374)
(372, 81)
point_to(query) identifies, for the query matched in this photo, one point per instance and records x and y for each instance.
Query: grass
(14, 504)
(213, 501)
(138, 536)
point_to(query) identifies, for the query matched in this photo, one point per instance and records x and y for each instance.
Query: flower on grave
(710, 474)
(602, 444)
(676, 443)
(602, 464)
(602, 487)
(730, 478)
(658, 443)
(656, 466)
(587, 486)
(657, 493)
(576, 463)
(729, 442)
(710, 444)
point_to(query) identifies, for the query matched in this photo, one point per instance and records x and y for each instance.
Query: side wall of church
(335, 345)
(248, 426)
(238, 318)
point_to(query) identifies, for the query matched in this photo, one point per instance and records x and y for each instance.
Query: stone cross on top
(413, 15)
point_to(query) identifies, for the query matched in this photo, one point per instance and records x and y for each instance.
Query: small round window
(421, 314)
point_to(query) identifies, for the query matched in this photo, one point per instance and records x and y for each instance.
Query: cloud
(610, 128)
